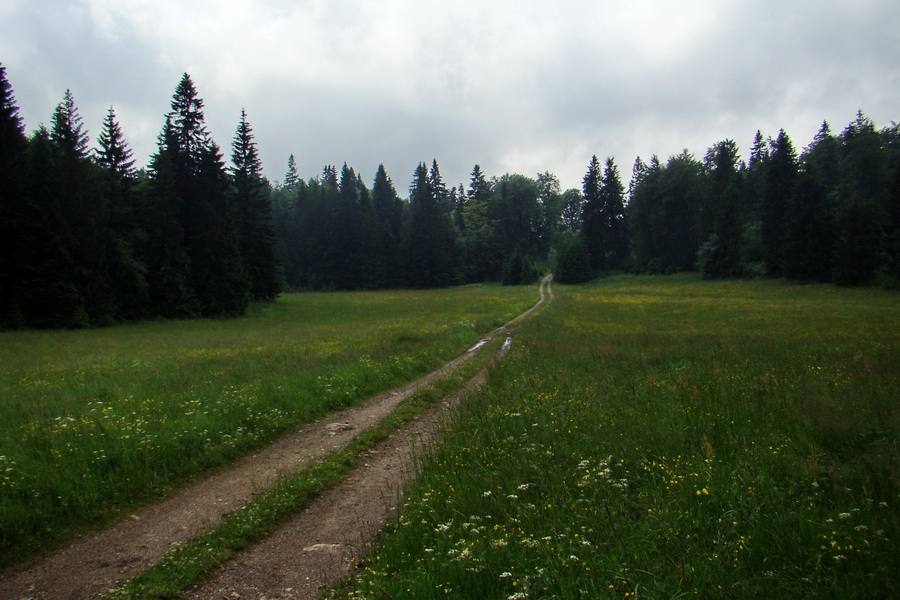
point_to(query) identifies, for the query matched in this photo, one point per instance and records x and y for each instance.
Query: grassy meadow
(94, 421)
(666, 437)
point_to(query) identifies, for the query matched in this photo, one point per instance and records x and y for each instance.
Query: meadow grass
(96, 421)
(190, 564)
(666, 437)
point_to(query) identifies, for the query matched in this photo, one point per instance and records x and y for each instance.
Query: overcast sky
(518, 86)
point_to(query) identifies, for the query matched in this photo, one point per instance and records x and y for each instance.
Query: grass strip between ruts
(191, 563)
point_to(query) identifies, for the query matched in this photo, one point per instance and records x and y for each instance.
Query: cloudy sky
(521, 86)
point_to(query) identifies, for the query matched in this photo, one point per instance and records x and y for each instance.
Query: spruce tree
(46, 294)
(388, 209)
(125, 231)
(253, 206)
(164, 250)
(592, 218)
(83, 215)
(808, 229)
(217, 274)
(781, 173)
(13, 161)
(612, 201)
(720, 254)
(481, 252)
(644, 197)
(291, 177)
(113, 153)
(429, 243)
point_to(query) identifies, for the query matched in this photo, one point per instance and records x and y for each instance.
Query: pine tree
(188, 123)
(83, 215)
(164, 250)
(125, 232)
(592, 219)
(429, 243)
(388, 208)
(891, 221)
(114, 155)
(291, 177)
(612, 199)
(480, 247)
(644, 197)
(720, 255)
(13, 162)
(46, 294)
(217, 274)
(253, 206)
(67, 131)
(781, 173)
(808, 229)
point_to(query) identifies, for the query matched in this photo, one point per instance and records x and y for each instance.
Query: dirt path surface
(305, 555)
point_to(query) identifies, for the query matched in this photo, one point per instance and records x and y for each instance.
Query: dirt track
(305, 555)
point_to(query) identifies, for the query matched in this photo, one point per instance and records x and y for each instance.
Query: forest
(89, 239)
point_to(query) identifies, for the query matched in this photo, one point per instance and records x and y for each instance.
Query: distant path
(95, 564)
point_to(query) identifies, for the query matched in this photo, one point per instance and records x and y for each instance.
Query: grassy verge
(653, 437)
(94, 421)
(190, 564)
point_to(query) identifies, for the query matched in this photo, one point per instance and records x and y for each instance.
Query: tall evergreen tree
(808, 229)
(253, 206)
(891, 220)
(125, 232)
(429, 243)
(13, 162)
(83, 214)
(781, 173)
(164, 250)
(211, 238)
(46, 293)
(592, 218)
(481, 252)
(612, 200)
(720, 254)
(218, 273)
(644, 197)
(388, 208)
(292, 176)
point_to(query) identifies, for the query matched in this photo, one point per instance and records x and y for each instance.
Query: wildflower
(505, 574)
(844, 516)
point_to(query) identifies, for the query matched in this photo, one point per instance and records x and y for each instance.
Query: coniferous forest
(89, 239)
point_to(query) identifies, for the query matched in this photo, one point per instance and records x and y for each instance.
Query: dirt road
(307, 554)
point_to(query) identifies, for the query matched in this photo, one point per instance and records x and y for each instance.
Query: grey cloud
(524, 87)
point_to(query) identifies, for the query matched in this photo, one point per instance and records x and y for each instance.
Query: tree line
(334, 232)
(88, 239)
(830, 213)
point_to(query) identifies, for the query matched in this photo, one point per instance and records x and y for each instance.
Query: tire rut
(92, 565)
